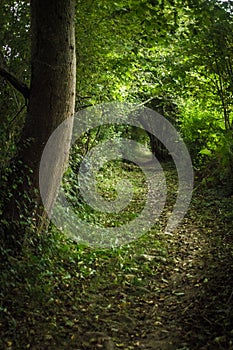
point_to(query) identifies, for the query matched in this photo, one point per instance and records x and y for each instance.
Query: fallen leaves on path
(162, 292)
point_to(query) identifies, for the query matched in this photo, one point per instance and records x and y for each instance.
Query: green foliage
(133, 51)
(15, 56)
(106, 181)
(209, 143)
(179, 56)
(225, 159)
(202, 128)
(60, 294)
(53, 274)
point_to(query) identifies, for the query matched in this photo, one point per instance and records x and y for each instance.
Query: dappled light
(116, 164)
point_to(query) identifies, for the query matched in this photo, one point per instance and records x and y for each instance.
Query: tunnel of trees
(162, 290)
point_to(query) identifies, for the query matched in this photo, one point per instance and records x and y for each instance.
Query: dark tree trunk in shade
(51, 101)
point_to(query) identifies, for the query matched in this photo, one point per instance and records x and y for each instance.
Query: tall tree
(51, 100)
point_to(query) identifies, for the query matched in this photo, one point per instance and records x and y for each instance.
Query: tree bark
(51, 101)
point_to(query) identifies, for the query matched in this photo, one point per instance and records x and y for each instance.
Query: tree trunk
(51, 101)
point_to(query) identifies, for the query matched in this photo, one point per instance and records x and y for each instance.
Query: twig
(83, 107)
(15, 82)
(83, 97)
(230, 297)
(13, 119)
(145, 102)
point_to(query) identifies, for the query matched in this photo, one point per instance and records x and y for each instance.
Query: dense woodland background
(175, 57)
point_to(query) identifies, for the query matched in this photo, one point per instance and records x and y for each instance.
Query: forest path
(185, 302)
(162, 292)
(170, 291)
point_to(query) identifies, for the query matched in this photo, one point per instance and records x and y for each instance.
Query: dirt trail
(164, 292)
(183, 300)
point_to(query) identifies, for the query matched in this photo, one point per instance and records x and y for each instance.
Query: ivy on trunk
(51, 101)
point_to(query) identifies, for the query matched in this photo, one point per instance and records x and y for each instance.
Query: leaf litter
(161, 292)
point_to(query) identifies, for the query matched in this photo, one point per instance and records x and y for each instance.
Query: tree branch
(145, 102)
(15, 82)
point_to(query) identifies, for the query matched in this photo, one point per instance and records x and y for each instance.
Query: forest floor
(162, 292)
